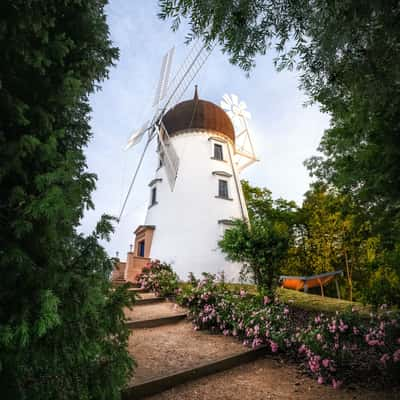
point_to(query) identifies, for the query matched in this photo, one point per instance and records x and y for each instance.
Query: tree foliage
(329, 236)
(261, 246)
(348, 54)
(62, 332)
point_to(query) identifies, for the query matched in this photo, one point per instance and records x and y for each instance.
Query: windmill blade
(164, 77)
(137, 136)
(242, 105)
(187, 72)
(246, 114)
(225, 105)
(227, 99)
(169, 156)
(134, 176)
(235, 99)
(231, 115)
(237, 112)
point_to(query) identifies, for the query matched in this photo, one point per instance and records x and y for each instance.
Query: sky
(284, 132)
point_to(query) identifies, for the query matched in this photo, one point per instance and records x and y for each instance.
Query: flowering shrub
(159, 278)
(330, 346)
(334, 345)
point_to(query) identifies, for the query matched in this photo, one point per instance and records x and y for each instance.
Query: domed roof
(198, 114)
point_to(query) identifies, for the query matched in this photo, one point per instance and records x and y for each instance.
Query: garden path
(172, 347)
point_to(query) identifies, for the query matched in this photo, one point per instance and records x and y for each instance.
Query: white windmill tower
(196, 189)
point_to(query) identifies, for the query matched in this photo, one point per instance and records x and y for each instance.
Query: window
(141, 249)
(218, 154)
(223, 188)
(153, 196)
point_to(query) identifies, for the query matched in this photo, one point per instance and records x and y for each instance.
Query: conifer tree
(62, 331)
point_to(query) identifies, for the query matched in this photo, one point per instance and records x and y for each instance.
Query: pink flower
(267, 300)
(256, 343)
(242, 293)
(396, 355)
(321, 380)
(317, 319)
(342, 326)
(319, 337)
(384, 359)
(325, 362)
(274, 346)
(314, 363)
(302, 349)
(225, 332)
(286, 311)
(336, 384)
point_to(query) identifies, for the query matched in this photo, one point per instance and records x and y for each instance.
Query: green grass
(312, 302)
(306, 301)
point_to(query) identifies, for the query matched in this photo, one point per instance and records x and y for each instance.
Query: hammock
(307, 282)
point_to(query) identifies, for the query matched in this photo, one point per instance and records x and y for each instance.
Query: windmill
(209, 145)
(238, 113)
(167, 95)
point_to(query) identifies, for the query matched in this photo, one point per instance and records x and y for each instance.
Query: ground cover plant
(332, 347)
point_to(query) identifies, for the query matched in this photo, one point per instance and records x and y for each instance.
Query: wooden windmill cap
(198, 114)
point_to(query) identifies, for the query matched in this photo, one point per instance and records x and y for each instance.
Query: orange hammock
(307, 282)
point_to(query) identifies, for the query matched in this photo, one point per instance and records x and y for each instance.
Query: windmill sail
(168, 156)
(164, 77)
(186, 73)
(137, 136)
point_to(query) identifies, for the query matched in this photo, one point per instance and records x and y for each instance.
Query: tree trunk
(349, 275)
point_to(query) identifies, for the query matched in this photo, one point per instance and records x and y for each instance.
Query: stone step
(148, 295)
(173, 354)
(151, 323)
(153, 311)
(148, 298)
(137, 290)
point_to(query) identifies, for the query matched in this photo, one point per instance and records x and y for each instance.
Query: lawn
(306, 301)
(312, 302)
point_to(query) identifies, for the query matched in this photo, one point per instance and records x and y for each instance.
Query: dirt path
(266, 379)
(171, 348)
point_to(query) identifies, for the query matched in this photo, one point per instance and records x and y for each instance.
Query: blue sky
(285, 133)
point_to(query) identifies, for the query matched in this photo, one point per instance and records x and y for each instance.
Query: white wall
(187, 229)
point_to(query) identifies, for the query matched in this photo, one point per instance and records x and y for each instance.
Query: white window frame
(221, 142)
